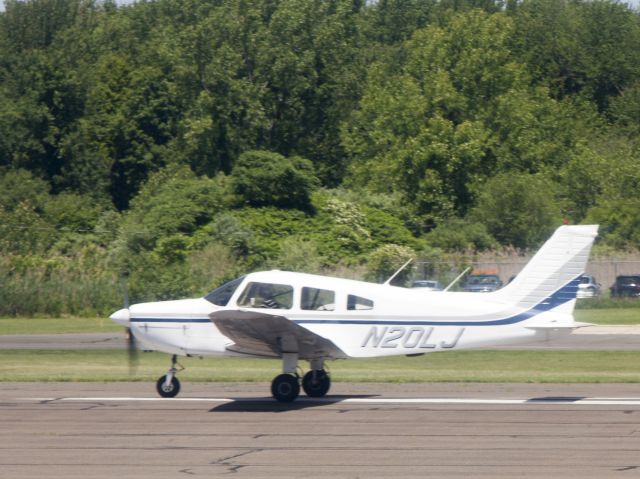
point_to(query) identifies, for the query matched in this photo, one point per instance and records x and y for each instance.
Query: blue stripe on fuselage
(170, 320)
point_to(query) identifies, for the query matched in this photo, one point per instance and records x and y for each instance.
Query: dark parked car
(626, 286)
(426, 285)
(482, 283)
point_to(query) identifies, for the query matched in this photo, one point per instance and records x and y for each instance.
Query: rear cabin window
(358, 303)
(266, 295)
(314, 299)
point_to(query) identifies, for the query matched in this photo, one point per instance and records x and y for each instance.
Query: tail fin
(550, 280)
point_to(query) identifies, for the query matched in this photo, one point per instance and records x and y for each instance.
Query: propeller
(132, 346)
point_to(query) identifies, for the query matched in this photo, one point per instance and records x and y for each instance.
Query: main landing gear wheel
(285, 387)
(316, 383)
(168, 389)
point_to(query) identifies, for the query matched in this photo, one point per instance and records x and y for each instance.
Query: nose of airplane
(122, 317)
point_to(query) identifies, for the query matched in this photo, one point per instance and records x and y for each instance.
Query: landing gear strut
(168, 385)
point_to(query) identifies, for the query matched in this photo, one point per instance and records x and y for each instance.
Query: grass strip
(64, 325)
(608, 316)
(456, 366)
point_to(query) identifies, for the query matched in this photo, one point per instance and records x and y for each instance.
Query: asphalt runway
(595, 338)
(73, 430)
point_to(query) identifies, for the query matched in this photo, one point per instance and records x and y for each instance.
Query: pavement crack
(628, 468)
(233, 468)
(98, 341)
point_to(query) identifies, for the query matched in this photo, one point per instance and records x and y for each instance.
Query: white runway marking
(399, 401)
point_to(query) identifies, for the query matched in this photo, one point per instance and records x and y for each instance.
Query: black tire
(319, 387)
(169, 391)
(285, 387)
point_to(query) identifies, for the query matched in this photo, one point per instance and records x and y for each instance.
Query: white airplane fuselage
(402, 321)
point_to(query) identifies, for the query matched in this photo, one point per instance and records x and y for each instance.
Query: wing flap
(264, 334)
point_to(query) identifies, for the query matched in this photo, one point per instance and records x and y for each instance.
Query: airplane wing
(271, 335)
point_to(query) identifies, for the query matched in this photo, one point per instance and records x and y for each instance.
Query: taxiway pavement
(72, 430)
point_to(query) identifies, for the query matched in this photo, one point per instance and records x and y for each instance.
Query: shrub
(460, 235)
(518, 209)
(264, 178)
(385, 260)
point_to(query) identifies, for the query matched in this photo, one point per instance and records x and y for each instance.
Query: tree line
(185, 141)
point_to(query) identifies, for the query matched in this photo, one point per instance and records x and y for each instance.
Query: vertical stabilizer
(552, 276)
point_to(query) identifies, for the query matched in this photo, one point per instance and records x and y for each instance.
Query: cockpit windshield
(221, 296)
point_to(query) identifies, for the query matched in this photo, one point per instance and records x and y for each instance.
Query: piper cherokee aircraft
(295, 316)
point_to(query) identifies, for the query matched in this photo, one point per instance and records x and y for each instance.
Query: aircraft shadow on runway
(270, 405)
(556, 399)
(267, 404)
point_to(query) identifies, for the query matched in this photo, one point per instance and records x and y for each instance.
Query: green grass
(608, 316)
(607, 302)
(57, 325)
(456, 366)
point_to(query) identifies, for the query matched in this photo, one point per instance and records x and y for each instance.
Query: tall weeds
(56, 288)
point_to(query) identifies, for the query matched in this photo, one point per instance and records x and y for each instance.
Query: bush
(518, 209)
(264, 178)
(228, 230)
(261, 231)
(619, 222)
(298, 254)
(174, 201)
(385, 260)
(460, 235)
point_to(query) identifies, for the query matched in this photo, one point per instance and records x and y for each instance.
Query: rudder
(552, 276)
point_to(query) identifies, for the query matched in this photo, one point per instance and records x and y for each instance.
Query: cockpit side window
(314, 299)
(358, 303)
(266, 295)
(221, 296)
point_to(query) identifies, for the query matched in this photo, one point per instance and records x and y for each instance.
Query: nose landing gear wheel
(169, 390)
(285, 387)
(316, 383)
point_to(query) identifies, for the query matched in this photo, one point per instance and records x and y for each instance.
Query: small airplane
(296, 316)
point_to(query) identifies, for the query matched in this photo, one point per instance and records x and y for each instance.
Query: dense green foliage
(185, 142)
(262, 178)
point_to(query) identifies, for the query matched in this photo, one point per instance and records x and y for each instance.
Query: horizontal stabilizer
(577, 325)
(548, 326)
